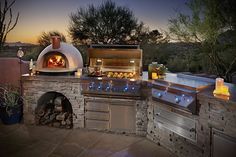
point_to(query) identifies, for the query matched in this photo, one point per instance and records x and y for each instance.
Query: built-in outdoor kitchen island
(178, 111)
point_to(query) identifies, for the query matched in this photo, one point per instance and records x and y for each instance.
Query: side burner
(179, 90)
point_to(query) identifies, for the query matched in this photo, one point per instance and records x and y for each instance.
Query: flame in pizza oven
(56, 61)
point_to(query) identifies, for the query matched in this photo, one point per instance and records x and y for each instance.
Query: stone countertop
(27, 77)
(208, 93)
(143, 78)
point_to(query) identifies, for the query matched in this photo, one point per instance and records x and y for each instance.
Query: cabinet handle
(158, 113)
(192, 130)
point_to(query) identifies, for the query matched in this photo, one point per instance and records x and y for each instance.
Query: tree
(207, 23)
(45, 38)
(6, 23)
(108, 24)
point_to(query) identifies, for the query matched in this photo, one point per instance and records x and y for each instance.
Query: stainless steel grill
(115, 61)
(114, 70)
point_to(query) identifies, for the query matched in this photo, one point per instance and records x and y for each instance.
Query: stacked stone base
(70, 87)
(214, 114)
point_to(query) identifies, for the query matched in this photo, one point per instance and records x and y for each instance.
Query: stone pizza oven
(59, 57)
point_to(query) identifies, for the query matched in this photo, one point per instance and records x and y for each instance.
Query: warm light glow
(78, 73)
(132, 79)
(220, 88)
(56, 61)
(45, 15)
(99, 78)
(219, 83)
(224, 97)
(131, 61)
(154, 76)
(99, 60)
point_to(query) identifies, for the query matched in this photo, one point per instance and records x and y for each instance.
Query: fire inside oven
(55, 60)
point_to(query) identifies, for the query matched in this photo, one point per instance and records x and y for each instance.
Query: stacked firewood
(54, 114)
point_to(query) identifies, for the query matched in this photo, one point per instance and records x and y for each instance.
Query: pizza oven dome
(64, 58)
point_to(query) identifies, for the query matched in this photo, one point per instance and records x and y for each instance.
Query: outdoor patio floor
(41, 141)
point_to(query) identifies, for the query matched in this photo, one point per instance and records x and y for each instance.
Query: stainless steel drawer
(97, 106)
(96, 124)
(174, 122)
(97, 115)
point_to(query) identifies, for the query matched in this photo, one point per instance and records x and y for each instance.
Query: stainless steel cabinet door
(123, 117)
(223, 145)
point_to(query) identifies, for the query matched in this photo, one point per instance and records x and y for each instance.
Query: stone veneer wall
(34, 88)
(141, 117)
(214, 114)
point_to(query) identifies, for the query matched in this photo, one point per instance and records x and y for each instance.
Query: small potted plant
(161, 70)
(11, 104)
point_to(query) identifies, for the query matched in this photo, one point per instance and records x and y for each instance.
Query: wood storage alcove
(54, 109)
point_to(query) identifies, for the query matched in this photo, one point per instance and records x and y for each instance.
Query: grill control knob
(159, 95)
(177, 100)
(99, 87)
(90, 87)
(125, 89)
(107, 88)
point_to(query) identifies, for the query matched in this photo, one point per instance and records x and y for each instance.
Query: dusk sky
(37, 16)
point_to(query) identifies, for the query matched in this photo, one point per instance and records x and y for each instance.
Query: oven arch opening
(54, 109)
(55, 59)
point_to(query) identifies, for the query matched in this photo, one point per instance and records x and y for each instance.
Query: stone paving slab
(20, 140)
(109, 144)
(143, 148)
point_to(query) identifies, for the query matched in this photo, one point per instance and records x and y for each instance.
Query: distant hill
(18, 44)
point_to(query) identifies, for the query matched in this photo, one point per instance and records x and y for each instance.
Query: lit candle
(219, 83)
(78, 73)
(225, 89)
(220, 88)
(154, 76)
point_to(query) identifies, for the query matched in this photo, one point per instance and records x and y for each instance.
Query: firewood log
(48, 112)
(43, 119)
(40, 113)
(63, 122)
(68, 121)
(46, 118)
(58, 108)
(61, 116)
(68, 126)
(67, 114)
(58, 100)
(49, 119)
(52, 116)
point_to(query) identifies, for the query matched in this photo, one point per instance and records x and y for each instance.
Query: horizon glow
(39, 16)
